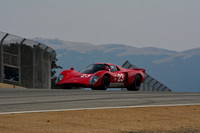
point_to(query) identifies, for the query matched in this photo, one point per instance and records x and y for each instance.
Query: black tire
(104, 84)
(136, 84)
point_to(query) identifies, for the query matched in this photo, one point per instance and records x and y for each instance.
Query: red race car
(100, 76)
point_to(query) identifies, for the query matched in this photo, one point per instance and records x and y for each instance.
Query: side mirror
(106, 69)
(71, 68)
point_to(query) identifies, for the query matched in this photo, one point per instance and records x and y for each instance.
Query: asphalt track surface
(19, 100)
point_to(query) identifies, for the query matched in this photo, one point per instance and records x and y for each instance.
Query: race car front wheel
(136, 84)
(104, 84)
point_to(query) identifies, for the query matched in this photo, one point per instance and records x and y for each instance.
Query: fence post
(150, 83)
(146, 77)
(34, 47)
(19, 59)
(43, 67)
(1, 57)
(49, 69)
(153, 87)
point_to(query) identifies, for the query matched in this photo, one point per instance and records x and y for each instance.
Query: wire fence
(24, 62)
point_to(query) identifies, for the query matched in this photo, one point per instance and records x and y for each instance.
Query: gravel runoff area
(169, 119)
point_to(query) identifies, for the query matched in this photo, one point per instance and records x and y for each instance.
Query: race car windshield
(93, 68)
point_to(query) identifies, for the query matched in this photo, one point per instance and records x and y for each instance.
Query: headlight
(94, 79)
(60, 77)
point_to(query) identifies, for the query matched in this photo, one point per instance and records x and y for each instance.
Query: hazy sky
(170, 24)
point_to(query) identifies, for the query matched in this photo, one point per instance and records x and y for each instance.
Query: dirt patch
(180, 119)
(3, 85)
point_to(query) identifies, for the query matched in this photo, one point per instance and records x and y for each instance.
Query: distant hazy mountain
(180, 71)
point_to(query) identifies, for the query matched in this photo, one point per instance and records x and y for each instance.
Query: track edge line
(96, 108)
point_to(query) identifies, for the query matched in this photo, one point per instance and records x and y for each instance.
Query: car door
(119, 76)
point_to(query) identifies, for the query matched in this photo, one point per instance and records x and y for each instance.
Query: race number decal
(85, 76)
(120, 77)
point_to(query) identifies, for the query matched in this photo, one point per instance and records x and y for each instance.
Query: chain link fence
(25, 62)
(150, 83)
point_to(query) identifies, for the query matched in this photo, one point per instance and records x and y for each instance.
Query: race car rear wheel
(136, 84)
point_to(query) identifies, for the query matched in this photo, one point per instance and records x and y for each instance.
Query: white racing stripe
(78, 109)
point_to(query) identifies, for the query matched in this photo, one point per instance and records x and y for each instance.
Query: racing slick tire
(136, 84)
(104, 84)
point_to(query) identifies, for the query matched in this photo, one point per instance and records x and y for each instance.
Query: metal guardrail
(150, 83)
(25, 62)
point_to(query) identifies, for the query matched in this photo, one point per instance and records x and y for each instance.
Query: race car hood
(78, 78)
